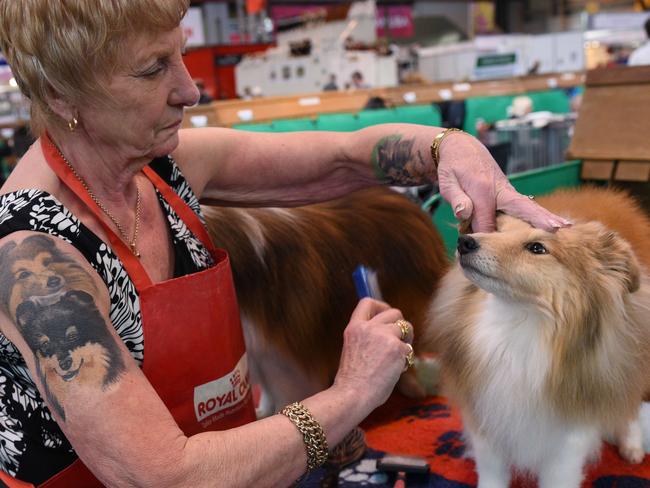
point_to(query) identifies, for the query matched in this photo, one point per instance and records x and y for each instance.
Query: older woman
(121, 352)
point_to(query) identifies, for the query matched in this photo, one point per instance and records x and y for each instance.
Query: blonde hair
(67, 46)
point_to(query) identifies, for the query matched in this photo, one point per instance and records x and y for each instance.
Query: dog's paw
(630, 442)
(632, 454)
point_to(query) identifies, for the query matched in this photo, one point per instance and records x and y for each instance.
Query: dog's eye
(24, 274)
(536, 248)
(45, 347)
(71, 334)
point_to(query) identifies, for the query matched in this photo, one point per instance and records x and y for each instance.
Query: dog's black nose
(53, 282)
(65, 363)
(467, 244)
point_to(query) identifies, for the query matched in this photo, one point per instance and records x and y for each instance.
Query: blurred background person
(331, 84)
(641, 55)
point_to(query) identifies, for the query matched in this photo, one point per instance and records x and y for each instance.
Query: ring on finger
(410, 358)
(531, 197)
(404, 328)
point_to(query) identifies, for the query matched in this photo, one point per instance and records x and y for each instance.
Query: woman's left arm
(233, 167)
(296, 168)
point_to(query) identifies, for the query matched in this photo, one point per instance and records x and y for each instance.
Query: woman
(121, 342)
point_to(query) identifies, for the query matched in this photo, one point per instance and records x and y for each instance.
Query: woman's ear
(60, 106)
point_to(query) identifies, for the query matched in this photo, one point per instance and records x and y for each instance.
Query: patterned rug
(433, 430)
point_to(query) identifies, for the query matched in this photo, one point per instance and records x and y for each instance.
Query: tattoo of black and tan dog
(51, 299)
(394, 159)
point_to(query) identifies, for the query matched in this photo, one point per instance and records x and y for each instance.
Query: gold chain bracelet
(435, 145)
(312, 434)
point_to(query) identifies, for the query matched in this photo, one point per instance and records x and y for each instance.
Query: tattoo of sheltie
(50, 296)
(72, 346)
(36, 270)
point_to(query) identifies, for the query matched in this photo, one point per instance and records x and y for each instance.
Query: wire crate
(522, 145)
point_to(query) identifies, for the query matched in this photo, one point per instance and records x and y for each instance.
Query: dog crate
(531, 147)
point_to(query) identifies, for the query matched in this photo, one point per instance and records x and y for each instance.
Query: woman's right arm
(115, 420)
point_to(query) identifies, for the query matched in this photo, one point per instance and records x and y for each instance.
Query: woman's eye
(536, 248)
(155, 70)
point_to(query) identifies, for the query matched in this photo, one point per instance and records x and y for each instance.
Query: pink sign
(400, 21)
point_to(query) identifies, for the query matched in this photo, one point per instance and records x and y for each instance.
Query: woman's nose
(185, 93)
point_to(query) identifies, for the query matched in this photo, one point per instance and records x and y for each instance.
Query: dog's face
(61, 335)
(526, 264)
(35, 277)
(58, 348)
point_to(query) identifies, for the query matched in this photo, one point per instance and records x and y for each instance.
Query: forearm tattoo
(51, 299)
(397, 162)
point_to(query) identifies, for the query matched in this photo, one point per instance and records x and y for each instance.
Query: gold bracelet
(435, 145)
(312, 434)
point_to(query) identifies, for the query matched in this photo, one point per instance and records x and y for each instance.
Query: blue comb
(365, 281)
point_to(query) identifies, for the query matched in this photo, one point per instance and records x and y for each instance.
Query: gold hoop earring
(72, 124)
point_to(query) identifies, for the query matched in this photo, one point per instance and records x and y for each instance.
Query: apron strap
(134, 268)
(182, 209)
(131, 263)
(11, 482)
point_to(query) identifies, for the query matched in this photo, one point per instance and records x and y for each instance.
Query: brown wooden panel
(632, 171)
(613, 124)
(618, 75)
(597, 170)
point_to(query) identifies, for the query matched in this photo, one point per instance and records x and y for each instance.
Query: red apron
(195, 356)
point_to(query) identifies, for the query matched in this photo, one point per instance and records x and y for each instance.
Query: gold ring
(410, 358)
(404, 328)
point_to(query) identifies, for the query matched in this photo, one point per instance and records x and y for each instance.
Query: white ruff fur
(513, 423)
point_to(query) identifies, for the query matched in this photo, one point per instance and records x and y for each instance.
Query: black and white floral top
(32, 447)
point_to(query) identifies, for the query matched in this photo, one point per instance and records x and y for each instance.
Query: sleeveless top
(32, 446)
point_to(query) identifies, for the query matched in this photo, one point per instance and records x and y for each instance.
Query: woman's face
(148, 92)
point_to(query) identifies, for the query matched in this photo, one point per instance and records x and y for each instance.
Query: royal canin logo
(223, 393)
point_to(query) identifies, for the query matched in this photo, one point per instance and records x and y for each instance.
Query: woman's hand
(373, 355)
(471, 181)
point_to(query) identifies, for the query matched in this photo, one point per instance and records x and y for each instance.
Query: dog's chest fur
(511, 409)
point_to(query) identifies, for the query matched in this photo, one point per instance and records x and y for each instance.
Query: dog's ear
(616, 254)
(25, 313)
(77, 297)
(38, 243)
(4, 253)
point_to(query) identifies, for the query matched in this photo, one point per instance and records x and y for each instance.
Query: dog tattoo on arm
(394, 160)
(50, 297)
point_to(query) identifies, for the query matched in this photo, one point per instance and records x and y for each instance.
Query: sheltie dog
(545, 338)
(293, 267)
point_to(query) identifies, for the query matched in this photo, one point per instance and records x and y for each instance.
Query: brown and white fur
(293, 269)
(546, 353)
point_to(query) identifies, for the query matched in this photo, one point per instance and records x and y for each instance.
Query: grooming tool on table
(402, 465)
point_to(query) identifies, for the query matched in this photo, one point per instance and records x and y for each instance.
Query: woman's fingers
(527, 209)
(451, 191)
(404, 330)
(367, 308)
(476, 188)
(477, 202)
(484, 216)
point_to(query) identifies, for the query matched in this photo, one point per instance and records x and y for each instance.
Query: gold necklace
(132, 243)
